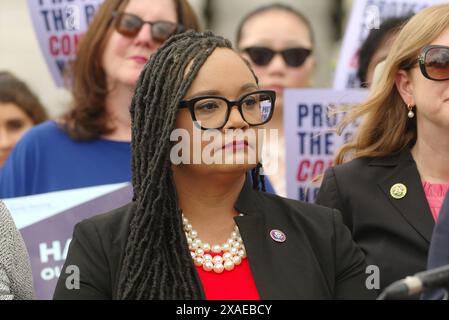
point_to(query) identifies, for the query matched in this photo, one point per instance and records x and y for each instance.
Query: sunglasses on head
(434, 62)
(129, 25)
(293, 57)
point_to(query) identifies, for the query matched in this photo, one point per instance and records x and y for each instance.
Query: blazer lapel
(252, 226)
(251, 229)
(413, 206)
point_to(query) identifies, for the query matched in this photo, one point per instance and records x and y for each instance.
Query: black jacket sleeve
(86, 254)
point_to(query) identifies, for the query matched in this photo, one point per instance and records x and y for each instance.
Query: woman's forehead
(224, 70)
(153, 9)
(257, 30)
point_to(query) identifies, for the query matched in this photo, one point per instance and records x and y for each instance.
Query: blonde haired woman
(390, 180)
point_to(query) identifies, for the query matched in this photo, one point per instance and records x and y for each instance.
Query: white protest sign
(367, 15)
(310, 137)
(59, 26)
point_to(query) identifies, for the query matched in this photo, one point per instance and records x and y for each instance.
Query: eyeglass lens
(437, 63)
(213, 112)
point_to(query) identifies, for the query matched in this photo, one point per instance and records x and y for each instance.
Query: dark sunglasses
(293, 57)
(434, 62)
(129, 25)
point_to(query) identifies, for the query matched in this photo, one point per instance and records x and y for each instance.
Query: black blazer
(318, 260)
(393, 233)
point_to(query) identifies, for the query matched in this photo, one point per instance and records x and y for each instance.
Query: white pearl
(411, 114)
(227, 256)
(199, 261)
(193, 234)
(229, 265)
(218, 268)
(217, 259)
(206, 247)
(208, 266)
(207, 257)
(237, 260)
(234, 250)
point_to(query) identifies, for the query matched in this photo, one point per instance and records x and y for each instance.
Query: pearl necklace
(233, 250)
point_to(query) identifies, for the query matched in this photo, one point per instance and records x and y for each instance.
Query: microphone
(437, 278)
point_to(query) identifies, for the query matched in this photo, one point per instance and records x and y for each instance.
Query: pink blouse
(435, 193)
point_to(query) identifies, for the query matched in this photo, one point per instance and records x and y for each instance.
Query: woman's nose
(277, 64)
(144, 37)
(235, 120)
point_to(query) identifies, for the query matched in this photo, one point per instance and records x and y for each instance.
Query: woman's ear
(404, 85)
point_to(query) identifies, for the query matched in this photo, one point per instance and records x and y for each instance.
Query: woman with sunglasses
(390, 180)
(280, 53)
(203, 230)
(90, 145)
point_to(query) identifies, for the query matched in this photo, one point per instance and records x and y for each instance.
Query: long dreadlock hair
(157, 263)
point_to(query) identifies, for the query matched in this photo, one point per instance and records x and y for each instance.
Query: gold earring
(410, 114)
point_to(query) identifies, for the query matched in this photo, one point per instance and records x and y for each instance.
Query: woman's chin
(237, 168)
(219, 169)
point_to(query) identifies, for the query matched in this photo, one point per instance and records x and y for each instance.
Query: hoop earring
(410, 114)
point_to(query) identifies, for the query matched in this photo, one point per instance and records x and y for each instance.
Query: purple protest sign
(48, 239)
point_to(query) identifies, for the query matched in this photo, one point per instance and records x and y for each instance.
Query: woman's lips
(236, 145)
(139, 59)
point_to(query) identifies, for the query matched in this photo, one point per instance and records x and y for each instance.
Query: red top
(237, 284)
(435, 193)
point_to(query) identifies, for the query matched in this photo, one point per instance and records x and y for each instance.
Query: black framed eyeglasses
(129, 25)
(212, 112)
(293, 57)
(434, 62)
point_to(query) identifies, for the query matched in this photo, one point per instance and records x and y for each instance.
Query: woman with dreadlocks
(205, 231)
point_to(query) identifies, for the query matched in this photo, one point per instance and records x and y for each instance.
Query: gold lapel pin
(398, 191)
